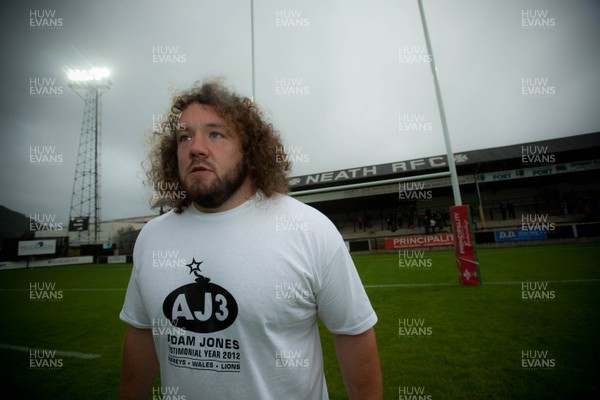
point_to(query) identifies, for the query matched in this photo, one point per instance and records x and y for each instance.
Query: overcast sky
(347, 83)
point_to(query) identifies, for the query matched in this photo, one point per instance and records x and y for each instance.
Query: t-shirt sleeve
(342, 302)
(133, 311)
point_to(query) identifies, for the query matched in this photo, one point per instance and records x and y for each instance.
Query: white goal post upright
(442, 111)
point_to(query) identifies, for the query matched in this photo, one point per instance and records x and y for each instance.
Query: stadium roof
(501, 157)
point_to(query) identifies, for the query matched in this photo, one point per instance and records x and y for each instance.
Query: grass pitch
(437, 339)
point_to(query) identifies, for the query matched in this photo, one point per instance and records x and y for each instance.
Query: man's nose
(198, 146)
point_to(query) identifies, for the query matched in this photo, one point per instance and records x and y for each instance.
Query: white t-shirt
(232, 299)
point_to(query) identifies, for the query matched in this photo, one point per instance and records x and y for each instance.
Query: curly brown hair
(264, 154)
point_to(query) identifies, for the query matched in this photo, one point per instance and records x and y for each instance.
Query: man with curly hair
(227, 287)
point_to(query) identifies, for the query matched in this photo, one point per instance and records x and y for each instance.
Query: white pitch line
(484, 283)
(72, 354)
(410, 285)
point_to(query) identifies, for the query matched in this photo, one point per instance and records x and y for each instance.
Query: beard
(214, 194)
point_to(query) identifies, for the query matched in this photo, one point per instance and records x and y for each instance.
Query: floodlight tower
(89, 85)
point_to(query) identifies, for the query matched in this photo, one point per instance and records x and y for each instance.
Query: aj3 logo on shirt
(201, 307)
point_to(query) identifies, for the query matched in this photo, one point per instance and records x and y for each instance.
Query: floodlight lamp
(88, 75)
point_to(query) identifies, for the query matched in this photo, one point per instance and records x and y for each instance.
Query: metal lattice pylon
(84, 215)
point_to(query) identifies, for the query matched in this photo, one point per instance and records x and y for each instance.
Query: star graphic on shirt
(194, 266)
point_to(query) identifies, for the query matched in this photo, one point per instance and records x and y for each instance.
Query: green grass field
(468, 342)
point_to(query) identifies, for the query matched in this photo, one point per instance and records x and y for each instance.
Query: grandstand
(555, 179)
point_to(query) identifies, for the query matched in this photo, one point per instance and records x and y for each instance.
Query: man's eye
(215, 134)
(183, 138)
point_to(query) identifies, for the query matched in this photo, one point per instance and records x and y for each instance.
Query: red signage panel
(464, 245)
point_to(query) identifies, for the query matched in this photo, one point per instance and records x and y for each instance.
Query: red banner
(464, 246)
(411, 242)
